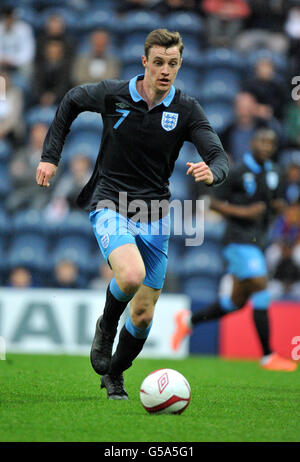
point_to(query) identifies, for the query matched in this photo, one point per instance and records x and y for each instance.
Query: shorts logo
(163, 382)
(105, 241)
(169, 120)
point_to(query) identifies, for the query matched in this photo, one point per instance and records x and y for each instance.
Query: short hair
(264, 132)
(163, 38)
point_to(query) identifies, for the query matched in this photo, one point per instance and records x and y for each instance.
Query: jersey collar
(251, 163)
(137, 97)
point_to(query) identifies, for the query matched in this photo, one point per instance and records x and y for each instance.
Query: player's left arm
(214, 168)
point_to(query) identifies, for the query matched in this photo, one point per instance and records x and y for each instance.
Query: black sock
(261, 321)
(113, 310)
(127, 350)
(214, 311)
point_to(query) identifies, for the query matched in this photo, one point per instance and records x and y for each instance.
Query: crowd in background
(249, 48)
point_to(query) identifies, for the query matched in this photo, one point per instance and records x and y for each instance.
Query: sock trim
(137, 332)
(118, 293)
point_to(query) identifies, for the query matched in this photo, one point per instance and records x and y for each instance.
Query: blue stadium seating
(75, 249)
(219, 114)
(5, 181)
(132, 54)
(5, 150)
(223, 58)
(188, 153)
(85, 143)
(29, 251)
(204, 260)
(5, 225)
(29, 221)
(214, 231)
(214, 90)
(280, 60)
(87, 121)
(75, 224)
(131, 70)
(203, 289)
(97, 18)
(40, 114)
(69, 15)
(185, 23)
(178, 184)
(28, 14)
(142, 21)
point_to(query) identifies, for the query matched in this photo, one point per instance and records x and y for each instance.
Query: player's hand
(201, 172)
(44, 172)
(255, 210)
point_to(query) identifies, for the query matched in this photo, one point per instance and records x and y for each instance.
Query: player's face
(263, 148)
(161, 67)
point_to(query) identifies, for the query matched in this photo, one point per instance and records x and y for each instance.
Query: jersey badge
(272, 180)
(169, 120)
(249, 183)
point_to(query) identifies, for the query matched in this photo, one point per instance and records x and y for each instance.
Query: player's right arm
(246, 212)
(88, 97)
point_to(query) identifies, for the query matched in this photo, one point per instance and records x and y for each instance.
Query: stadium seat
(140, 21)
(75, 224)
(75, 249)
(40, 114)
(87, 121)
(131, 70)
(280, 60)
(213, 231)
(29, 222)
(132, 54)
(69, 15)
(5, 181)
(288, 156)
(85, 143)
(29, 251)
(175, 252)
(5, 226)
(5, 151)
(224, 58)
(218, 90)
(185, 23)
(204, 260)
(179, 184)
(204, 289)
(97, 18)
(219, 114)
(27, 14)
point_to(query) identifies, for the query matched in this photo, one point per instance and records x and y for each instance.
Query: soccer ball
(165, 391)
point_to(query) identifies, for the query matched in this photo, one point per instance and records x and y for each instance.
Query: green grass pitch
(57, 398)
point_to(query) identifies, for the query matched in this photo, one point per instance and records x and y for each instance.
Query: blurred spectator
(249, 115)
(292, 192)
(260, 33)
(66, 275)
(17, 43)
(286, 273)
(20, 278)
(52, 73)
(23, 169)
(96, 64)
(292, 124)
(11, 111)
(224, 20)
(55, 29)
(70, 184)
(266, 87)
(104, 277)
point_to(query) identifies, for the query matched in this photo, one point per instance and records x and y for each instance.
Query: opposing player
(248, 200)
(145, 122)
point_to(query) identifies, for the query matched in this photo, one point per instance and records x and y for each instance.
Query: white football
(165, 391)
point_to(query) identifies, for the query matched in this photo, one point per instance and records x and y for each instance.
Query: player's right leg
(119, 249)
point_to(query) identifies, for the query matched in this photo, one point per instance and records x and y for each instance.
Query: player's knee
(132, 279)
(258, 284)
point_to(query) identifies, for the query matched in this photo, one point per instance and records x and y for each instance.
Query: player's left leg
(133, 335)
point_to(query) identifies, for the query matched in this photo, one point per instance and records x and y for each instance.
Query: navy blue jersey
(139, 146)
(247, 183)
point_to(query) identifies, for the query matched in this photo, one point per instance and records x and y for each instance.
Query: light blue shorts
(245, 261)
(113, 230)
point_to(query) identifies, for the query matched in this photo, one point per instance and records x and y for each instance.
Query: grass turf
(57, 398)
